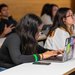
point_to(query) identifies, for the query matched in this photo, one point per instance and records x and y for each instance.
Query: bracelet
(36, 58)
(42, 56)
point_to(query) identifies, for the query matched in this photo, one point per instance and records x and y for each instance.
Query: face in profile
(69, 18)
(5, 11)
(39, 32)
(54, 10)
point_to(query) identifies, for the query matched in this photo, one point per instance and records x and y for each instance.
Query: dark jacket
(7, 22)
(10, 54)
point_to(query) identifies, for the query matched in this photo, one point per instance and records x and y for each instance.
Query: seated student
(7, 23)
(47, 16)
(60, 30)
(48, 13)
(21, 46)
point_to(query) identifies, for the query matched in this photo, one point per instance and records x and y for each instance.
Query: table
(55, 68)
(30, 69)
(71, 72)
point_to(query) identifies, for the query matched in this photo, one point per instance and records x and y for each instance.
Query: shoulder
(11, 40)
(12, 19)
(57, 32)
(45, 16)
(13, 36)
(46, 19)
(60, 30)
(61, 33)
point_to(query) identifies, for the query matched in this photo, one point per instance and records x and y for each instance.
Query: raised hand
(7, 29)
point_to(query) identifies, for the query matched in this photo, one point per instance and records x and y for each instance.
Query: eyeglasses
(70, 15)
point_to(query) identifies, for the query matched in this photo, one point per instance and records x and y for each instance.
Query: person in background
(21, 46)
(7, 23)
(47, 17)
(61, 29)
(48, 13)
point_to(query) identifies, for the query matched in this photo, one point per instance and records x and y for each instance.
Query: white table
(54, 68)
(31, 69)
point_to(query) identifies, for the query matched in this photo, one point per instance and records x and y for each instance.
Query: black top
(8, 22)
(10, 54)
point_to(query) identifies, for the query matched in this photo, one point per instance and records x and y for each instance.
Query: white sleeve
(48, 43)
(57, 41)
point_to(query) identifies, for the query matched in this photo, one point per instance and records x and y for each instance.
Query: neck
(69, 26)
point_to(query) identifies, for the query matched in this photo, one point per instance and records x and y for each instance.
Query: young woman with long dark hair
(61, 29)
(21, 46)
(48, 13)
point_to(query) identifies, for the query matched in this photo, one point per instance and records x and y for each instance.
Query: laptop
(68, 52)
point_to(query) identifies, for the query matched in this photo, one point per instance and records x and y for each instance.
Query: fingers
(11, 26)
(54, 53)
(59, 52)
(5, 26)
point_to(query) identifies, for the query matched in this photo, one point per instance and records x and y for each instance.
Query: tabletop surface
(31, 69)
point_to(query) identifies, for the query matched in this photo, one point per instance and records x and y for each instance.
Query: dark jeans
(2, 69)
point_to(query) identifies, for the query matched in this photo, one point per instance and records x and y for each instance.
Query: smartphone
(42, 63)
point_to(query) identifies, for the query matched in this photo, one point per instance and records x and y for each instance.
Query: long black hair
(47, 9)
(58, 19)
(27, 29)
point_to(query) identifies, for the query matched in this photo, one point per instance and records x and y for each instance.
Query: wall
(73, 5)
(20, 7)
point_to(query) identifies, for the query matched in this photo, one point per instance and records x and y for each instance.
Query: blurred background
(20, 7)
